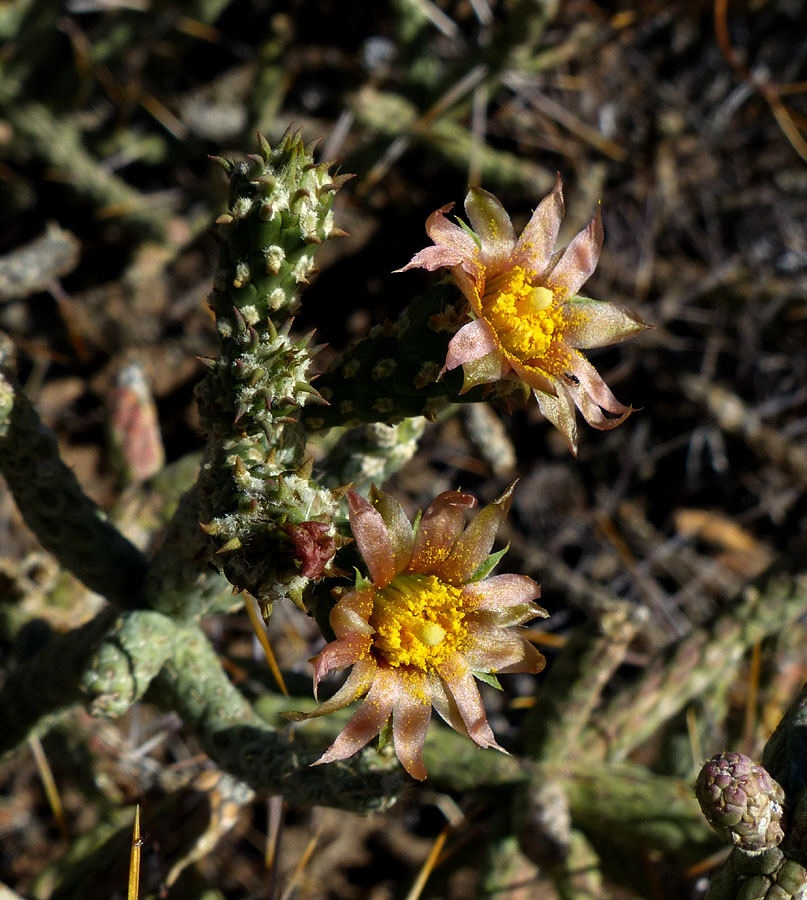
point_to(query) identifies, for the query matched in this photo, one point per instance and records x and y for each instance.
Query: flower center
(418, 621)
(525, 318)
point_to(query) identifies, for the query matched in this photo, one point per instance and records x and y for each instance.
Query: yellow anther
(418, 621)
(524, 317)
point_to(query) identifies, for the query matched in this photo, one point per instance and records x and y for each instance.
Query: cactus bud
(741, 801)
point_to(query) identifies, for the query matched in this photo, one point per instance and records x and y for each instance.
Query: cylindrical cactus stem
(371, 454)
(106, 664)
(544, 823)
(67, 523)
(269, 523)
(274, 532)
(395, 372)
(741, 801)
(280, 211)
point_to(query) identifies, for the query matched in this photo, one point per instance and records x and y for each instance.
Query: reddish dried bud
(314, 546)
(134, 430)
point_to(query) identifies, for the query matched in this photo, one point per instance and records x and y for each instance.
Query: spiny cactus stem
(177, 583)
(648, 812)
(254, 482)
(768, 874)
(371, 454)
(785, 754)
(395, 372)
(110, 662)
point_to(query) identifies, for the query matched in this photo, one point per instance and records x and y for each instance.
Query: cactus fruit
(741, 801)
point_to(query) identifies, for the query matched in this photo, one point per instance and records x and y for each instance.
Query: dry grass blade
(274, 809)
(300, 867)
(49, 784)
(263, 639)
(694, 737)
(133, 889)
(768, 90)
(577, 127)
(751, 699)
(430, 863)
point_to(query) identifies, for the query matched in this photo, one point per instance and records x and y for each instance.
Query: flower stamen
(525, 318)
(536, 301)
(418, 621)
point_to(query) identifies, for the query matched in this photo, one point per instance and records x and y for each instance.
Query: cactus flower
(527, 317)
(426, 622)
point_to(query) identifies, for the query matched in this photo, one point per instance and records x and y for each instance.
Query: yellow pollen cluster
(525, 318)
(418, 621)
(431, 554)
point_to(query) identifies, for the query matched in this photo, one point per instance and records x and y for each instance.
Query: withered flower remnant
(526, 315)
(314, 546)
(425, 622)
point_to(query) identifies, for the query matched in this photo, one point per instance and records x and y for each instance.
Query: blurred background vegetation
(685, 118)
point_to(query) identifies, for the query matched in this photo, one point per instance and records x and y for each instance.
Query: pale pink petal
(501, 591)
(537, 379)
(471, 342)
(486, 370)
(352, 613)
(537, 242)
(432, 258)
(459, 682)
(595, 323)
(579, 260)
(500, 651)
(470, 279)
(492, 225)
(448, 234)
(356, 685)
(506, 616)
(398, 525)
(445, 705)
(372, 538)
(473, 546)
(367, 721)
(343, 652)
(595, 416)
(410, 721)
(559, 409)
(439, 528)
(592, 395)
